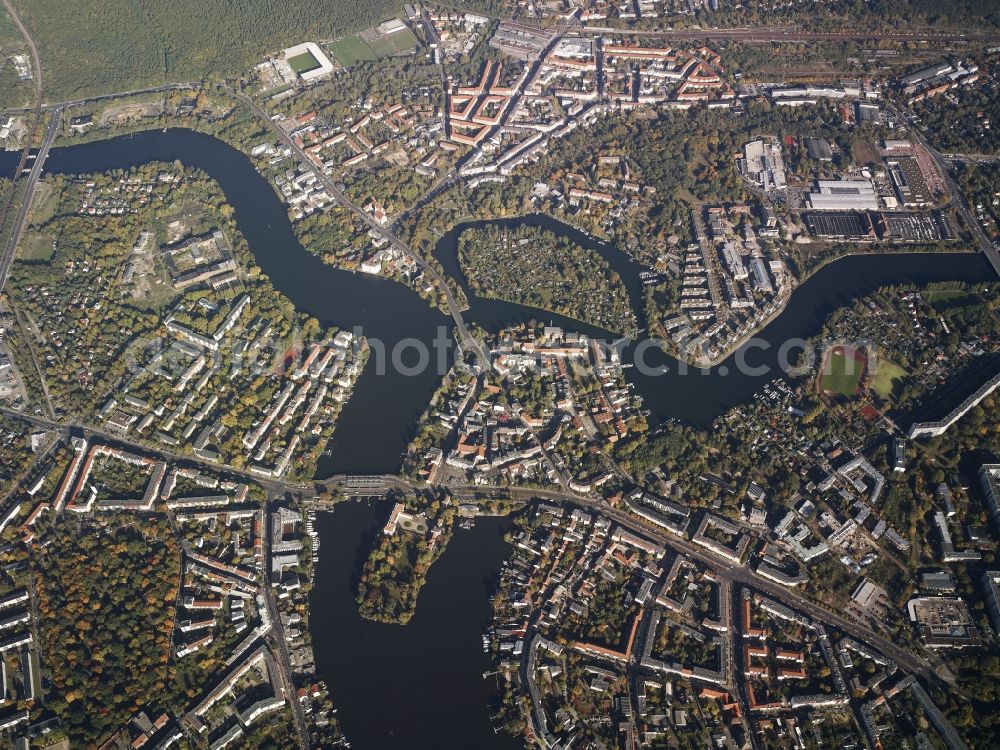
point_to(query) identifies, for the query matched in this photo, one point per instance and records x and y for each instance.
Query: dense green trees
(106, 598)
(610, 613)
(672, 447)
(889, 15)
(397, 567)
(980, 184)
(972, 708)
(115, 45)
(13, 91)
(961, 121)
(15, 450)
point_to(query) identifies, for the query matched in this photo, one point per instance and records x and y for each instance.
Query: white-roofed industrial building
(844, 195)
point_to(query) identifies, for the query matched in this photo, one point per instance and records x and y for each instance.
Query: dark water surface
(378, 420)
(421, 687)
(699, 396)
(8, 163)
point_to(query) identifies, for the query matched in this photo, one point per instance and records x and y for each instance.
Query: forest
(981, 186)
(106, 601)
(117, 45)
(972, 708)
(12, 89)
(15, 451)
(961, 121)
(876, 14)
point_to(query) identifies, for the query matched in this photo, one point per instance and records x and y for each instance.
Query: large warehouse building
(843, 195)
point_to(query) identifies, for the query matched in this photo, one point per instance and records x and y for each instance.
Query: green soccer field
(842, 372)
(888, 378)
(303, 63)
(393, 44)
(351, 50)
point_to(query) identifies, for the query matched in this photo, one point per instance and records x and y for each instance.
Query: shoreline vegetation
(535, 267)
(94, 231)
(724, 354)
(397, 566)
(416, 535)
(232, 123)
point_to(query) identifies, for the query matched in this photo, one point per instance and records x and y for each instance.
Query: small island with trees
(536, 267)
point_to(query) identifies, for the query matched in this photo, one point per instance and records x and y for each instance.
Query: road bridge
(356, 486)
(10, 248)
(7, 254)
(463, 335)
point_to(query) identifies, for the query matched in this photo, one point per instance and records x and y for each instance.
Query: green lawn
(888, 378)
(948, 300)
(351, 50)
(841, 373)
(303, 63)
(35, 246)
(393, 44)
(938, 295)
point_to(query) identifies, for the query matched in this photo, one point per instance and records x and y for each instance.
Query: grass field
(393, 44)
(303, 63)
(938, 295)
(36, 246)
(950, 299)
(888, 378)
(842, 371)
(351, 50)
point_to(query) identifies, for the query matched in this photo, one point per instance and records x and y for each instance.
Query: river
(699, 396)
(376, 423)
(378, 420)
(8, 163)
(420, 686)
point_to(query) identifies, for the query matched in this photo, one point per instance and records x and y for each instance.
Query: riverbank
(795, 283)
(426, 677)
(377, 423)
(418, 687)
(377, 308)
